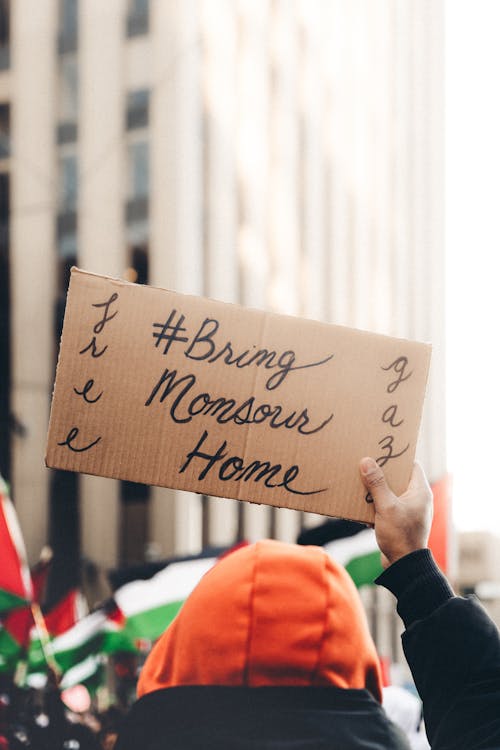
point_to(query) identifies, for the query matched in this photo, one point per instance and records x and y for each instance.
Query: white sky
(473, 259)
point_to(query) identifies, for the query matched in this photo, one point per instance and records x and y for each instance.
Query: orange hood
(269, 614)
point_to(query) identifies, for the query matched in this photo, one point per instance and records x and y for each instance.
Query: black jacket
(268, 718)
(453, 650)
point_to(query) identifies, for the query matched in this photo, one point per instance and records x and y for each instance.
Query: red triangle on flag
(64, 614)
(18, 622)
(15, 579)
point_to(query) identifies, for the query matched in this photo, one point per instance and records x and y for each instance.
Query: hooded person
(270, 650)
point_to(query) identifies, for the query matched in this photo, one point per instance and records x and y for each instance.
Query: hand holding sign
(190, 393)
(402, 524)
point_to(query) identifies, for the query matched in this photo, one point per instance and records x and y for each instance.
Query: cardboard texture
(184, 392)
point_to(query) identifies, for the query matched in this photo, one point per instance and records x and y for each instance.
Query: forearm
(453, 650)
(418, 585)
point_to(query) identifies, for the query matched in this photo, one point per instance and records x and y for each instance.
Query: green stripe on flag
(151, 623)
(364, 569)
(70, 648)
(71, 657)
(114, 641)
(36, 658)
(359, 554)
(10, 652)
(10, 601)
(89, 672)
(65, 659)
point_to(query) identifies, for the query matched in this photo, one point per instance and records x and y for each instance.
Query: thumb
(418, 479)
(374, 481)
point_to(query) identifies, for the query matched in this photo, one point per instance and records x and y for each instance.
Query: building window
(68, 183)
(137, 115)
(138, 170)
(6, 419)
(67, 127)
(137, 17)
(136, 212)
(4, 34)
(137, 270)
(67, 132)
(67, 207)
(138, 181)
(68, 26)
(4, 131)
(134, 522)
(68, 89)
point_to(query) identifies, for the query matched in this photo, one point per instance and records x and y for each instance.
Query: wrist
(395, 555)
(417, 583)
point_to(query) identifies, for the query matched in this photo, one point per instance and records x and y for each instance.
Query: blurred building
(479, 569)
(284, 154)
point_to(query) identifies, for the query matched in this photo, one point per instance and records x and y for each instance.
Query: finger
(384, 560)
(418, 480)
(374, 481)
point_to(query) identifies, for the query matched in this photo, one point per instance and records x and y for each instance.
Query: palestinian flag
(149, 606)
(354, 545)
(15, 581)
(115, 637)
(61, 618)
(349, 543)
(137, 615)
(89, 672)
(71, 640)
(66, 613)
(107, 635)
(16, 624)
(79, 644)
(10, 651)
(359, 554)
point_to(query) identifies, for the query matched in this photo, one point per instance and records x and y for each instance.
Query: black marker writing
(169, 331)
(390, 414)
(85, 390)
(285, 362)
(100, 325)
(71, 437)
(399, 366)
(93, 349)
(387, 444)
(202, 347)
(233, 469)
(185, 403)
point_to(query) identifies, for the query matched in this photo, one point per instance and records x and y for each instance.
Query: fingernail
(367, 465)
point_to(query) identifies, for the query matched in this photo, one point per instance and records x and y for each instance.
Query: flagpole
(43, 635)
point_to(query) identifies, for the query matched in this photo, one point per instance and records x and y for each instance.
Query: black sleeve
(453, 650)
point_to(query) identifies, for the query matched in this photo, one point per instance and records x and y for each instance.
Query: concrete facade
(32, 259)
(289, 156)
(479, 569)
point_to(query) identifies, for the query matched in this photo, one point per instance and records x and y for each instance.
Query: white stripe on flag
(80, 633)
(346, 549)
(82, 671)
(172, 584)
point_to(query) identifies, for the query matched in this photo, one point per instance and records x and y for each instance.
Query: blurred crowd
(33, 719)
(40, 719)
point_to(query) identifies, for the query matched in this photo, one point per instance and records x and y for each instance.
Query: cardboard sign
(184, 392)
